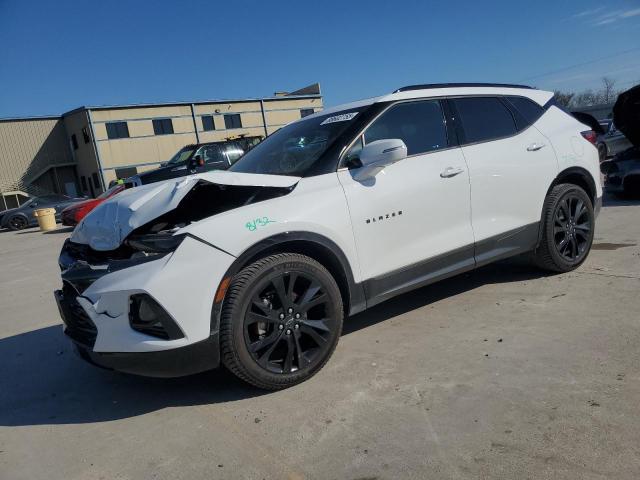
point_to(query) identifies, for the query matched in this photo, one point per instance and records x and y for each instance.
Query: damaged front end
(134, 284)
(165, 207)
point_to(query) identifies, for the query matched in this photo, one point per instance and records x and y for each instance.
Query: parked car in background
(622, 172)
(197, 158)
(22, 217)
(77, 211)
(612, 141)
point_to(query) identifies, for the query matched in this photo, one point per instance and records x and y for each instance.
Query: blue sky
(57, 55)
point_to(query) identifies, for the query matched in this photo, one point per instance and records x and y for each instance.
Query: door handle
(451, 172)
(534, 147)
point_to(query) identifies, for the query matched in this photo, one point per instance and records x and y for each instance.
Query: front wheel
(17, 222)
(568, 225)
(281, 320)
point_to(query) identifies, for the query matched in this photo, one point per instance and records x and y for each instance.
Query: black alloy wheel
(568, 223)
(17, 223)
(281, 320)
(572, 228)
(288, 324)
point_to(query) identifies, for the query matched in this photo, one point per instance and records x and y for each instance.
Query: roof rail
(453, 85)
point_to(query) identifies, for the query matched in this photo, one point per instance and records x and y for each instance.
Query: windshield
(110, 192)
(293, 149)
(182, 155)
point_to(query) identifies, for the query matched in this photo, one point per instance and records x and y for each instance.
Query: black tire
(566, 236)
(602, 152)
(281, 320)
(17, 222)
(631, 186)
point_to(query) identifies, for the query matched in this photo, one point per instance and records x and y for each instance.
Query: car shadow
(43, 382)
(60, 230)
(513, 270)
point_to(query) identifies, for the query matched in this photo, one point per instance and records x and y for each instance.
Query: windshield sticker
(252, 225)
(339, 118)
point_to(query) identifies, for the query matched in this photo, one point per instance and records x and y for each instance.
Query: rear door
(511, 166)
(412, 221)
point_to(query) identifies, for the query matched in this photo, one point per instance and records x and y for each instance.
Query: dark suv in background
(197, 158)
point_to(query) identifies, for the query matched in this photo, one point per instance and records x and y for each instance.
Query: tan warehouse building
(81, 151)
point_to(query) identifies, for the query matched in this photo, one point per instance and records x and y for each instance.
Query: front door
(412, 221)
(214, 158)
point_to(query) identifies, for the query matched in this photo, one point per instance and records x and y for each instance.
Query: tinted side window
(528, 109)
(419, 124)
(484, 118)
(233, 151)
(211, 154)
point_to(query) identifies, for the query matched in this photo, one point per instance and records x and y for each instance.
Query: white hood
(110, 222)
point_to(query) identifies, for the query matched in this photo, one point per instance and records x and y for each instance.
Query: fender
(311, 244)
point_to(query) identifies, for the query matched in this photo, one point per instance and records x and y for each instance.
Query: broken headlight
(155, 242)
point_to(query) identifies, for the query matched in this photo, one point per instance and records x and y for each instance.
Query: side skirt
(505, 245)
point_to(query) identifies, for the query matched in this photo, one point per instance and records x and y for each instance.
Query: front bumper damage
(95, 301)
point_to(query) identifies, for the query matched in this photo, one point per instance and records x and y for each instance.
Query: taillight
(591, 136)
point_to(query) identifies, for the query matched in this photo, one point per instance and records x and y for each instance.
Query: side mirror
(196, 161)
(379, 154)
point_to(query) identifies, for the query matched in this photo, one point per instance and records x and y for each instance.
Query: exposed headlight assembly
(155, 242)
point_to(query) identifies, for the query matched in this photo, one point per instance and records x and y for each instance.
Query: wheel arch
(313, 245)
(574, 175)
(577, 176)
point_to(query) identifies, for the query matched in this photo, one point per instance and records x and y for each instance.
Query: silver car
(612, 141)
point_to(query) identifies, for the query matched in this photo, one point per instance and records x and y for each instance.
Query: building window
(232, 120)
(83, 182)
(207, 123)
(305, 112)
(74, 141)
(85, 135)
(96, 180)
(126, 172)
(117, 130)
(162, 126)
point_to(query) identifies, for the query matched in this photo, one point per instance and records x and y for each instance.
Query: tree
(608, 93)
(563, 98)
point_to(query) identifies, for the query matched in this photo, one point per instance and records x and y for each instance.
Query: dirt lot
(502, 373)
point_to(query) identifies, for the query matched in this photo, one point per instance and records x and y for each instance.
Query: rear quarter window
(528, 110)
(484, 119)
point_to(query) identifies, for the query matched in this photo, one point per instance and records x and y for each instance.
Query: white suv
(257, 266)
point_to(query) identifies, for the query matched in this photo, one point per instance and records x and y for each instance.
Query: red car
(72, 215)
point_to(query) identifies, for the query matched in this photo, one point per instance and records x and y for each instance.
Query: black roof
(454, 85)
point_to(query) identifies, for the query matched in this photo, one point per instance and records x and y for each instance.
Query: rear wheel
(17, 222)
(602, 152)
(281, 320)
(568, 225)
(631, 186)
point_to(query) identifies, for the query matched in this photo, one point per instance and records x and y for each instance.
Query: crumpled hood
(626, 114)
(113, 220)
